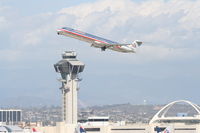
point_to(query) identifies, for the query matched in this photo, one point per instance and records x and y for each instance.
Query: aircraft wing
(108, 45)
(122, 44)
(113, 45)
(104, 46)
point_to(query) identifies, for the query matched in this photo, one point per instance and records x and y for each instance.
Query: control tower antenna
(69, 68)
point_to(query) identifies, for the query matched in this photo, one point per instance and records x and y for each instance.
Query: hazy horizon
(162, 71)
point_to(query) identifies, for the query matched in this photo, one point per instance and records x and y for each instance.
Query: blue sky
(164, 70)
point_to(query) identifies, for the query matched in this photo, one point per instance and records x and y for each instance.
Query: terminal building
(160, 123)
(10, 116)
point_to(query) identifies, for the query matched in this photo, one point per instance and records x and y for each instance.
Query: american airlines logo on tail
(162, 130)
(167, 130)
(135, 44)
(80, 129)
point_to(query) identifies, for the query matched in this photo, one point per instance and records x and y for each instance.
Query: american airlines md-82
(99, 42)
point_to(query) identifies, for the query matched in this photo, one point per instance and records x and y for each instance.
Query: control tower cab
(69, 68)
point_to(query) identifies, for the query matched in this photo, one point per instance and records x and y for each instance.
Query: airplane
(99, 42)
(162, 130)
(167, 130)
(79, 129)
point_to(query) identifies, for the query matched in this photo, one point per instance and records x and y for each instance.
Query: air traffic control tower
(69, 68)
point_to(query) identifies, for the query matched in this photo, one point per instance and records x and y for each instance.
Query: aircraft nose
(58, 32)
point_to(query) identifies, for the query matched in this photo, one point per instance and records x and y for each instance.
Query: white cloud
(167, 25)
(117, 14)
(192, 17)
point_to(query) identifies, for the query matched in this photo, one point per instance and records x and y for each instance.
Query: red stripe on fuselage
(85, 37)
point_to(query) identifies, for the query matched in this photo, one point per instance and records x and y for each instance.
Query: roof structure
(161, 117)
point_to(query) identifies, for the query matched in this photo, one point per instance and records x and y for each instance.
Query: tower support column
(69, 67)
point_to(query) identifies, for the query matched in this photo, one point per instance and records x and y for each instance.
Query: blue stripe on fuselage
(89, 35)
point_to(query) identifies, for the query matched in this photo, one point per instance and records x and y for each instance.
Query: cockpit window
(67, 28)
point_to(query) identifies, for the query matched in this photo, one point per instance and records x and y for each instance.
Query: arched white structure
(161, 114)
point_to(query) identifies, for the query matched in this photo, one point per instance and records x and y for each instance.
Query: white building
(10, 116)
(175, 124)
(97, 121)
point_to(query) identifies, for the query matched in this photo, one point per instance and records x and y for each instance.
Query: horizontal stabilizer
(137, 42)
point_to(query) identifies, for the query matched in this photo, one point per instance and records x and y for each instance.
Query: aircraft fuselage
(96, 41)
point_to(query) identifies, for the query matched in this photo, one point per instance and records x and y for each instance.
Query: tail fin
(82, 130)
(167, 130)
(34, 130)
(137, 43)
